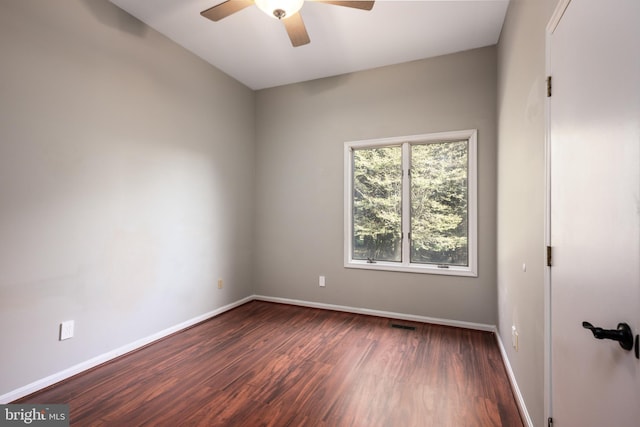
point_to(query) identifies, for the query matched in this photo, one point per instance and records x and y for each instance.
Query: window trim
(406, 266)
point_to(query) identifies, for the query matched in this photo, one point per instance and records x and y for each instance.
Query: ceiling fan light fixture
(279, 9)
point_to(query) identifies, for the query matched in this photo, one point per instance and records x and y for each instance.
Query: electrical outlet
(514, 337)
(66, 330)
(219, 283)
(321, 281)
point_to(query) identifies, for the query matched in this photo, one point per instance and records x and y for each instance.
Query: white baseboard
(514, 384)
(389, 314)
(88, 364)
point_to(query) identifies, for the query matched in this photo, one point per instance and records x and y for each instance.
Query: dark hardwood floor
(265, 364)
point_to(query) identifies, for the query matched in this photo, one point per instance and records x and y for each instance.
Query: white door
(594, 58)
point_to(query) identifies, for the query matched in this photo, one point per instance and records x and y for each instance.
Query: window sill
(412, 268)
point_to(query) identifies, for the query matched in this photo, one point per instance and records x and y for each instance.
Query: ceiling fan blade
(296, 30)
(225, 9)
(356, 4)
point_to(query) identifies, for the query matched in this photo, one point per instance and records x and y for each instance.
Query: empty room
(319, 213)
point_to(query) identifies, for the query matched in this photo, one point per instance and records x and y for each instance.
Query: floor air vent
(407, 327)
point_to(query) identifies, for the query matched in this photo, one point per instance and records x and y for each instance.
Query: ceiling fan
(286, 11)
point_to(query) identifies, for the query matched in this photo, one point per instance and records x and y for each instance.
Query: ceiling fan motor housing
(279, 8)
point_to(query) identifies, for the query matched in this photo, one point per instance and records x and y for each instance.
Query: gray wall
(126, 184)
(300, 132)
(521, 192)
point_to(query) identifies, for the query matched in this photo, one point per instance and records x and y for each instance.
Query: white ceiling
(255, 49)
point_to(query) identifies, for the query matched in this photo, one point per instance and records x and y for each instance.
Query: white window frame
(472, 209)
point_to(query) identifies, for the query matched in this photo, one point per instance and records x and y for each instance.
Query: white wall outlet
(66, 330)
(514, 337)
(219, 283)
(321, 281)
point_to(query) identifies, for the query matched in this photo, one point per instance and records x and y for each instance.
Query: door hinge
(549, 422)
(548, 86)
(549, 257)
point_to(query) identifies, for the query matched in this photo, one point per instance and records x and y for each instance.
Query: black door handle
(623, 334)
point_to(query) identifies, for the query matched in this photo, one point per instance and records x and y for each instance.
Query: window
(410, 204)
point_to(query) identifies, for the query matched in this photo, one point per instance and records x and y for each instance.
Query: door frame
(558, 12)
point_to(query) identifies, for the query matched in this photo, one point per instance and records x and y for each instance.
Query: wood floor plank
(266, 364)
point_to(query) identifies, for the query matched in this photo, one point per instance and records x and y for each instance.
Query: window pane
(439, 198)
(377, 204)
